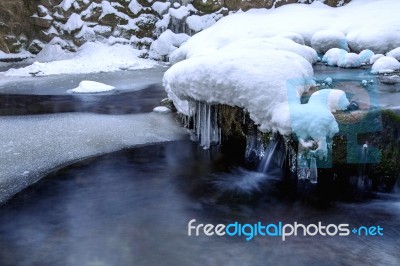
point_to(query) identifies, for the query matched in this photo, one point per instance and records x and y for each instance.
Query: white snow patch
(162, 110)
(87, 86)
(66, 4)
(160, 7)
(350, 60)
(198, 23)
(91, 57)
(385, 64)
(135, 7)
(74, 22)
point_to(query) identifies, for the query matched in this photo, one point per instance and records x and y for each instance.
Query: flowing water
(132, 207)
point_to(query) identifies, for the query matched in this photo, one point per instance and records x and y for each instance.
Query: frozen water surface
(34, 145)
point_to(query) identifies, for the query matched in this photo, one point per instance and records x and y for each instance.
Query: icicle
(205, 124)
(303, 171)
(313, 171)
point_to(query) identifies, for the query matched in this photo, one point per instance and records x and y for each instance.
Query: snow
(365, 56)
(66, 4)
(160, 7)
(51, 53)
(109, 9)
(292, 36)
(74, 22)
(87, 86)
(58, 139)
(359, 22)
(395, 53)
(135, 7)
(385, 64)
(182, 11)
(324, 40)
(350, 60)
(166, 43)
(198, 23)
(162, 110)
(373, 58)
(91, 57)
(23, 54)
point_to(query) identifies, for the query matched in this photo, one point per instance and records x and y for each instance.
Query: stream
(130, 203)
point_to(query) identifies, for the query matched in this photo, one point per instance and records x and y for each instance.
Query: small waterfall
(205, 124)
(303, 170)
(274, 155)
(313, 171)
(255, 149)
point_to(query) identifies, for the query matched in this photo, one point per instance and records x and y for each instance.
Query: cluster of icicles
(278, 153)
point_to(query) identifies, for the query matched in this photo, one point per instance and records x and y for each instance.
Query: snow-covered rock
(395, 53)
(166, 44)
(51, 53)
(365, 56)
(385, 64)
(324, 40)
(333, 56)
(87, 86)
(74, 22)
(373, 58)
(350, 60)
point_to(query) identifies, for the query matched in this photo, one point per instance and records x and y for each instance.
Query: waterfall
(303, 170)
(274, 155)
(254, 144)
(205, 124)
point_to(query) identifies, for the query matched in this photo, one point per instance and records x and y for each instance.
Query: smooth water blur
(132, 208)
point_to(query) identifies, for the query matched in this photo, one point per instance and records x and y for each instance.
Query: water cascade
(205, 124)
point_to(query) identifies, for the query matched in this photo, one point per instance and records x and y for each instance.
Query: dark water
(133, 207)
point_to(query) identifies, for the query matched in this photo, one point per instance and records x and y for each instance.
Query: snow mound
(87, 86)
(91, 57)
(333, 56)
(166, 44)
(52, 53)
(385, 64)
(395, 53)
(374, 58)
(198, 23)
(350, 60)
(365, 56)
(292, 36)
(267, 82)
(324, 40)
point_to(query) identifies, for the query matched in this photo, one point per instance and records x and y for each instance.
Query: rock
(45, 22)
(42, 11)
(112, 20)
(35, 47)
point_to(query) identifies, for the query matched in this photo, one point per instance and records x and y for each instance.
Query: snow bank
(350, 60)
(385, 64)
(52, 53)
(364, 24)
(333, 56)
(198, 23)
(55, 140)
(87, 86)
(365, 56)
(90, 58)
